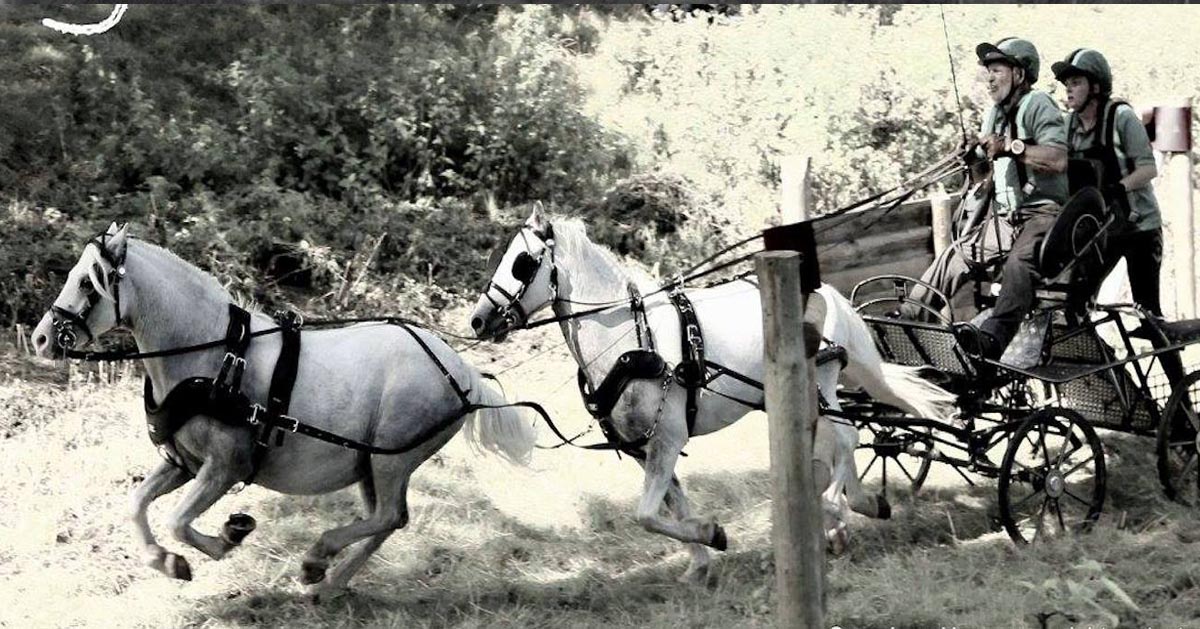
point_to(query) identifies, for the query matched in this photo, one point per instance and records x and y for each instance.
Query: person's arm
(1045, 159)
(1047, 153)
(1136, 144)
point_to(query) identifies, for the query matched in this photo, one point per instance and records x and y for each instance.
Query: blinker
(525, 267)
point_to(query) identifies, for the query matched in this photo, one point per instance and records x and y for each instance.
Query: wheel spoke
(883, 480)
(1041, 472)
(868, 467)
(1042, 439)
(964, 475)
(1190, 413)
(1016, 505)
(1081, 500)
(1079, 465)
(1069, 439)
(900, 465)
(1188, 466)
(1041, 519)
(1058, 510)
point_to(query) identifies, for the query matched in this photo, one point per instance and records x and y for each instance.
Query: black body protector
(694, 372)
(1103, 150)
(221, 398)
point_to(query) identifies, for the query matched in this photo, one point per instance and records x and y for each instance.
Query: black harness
(694, 372)
(222, 399)
(690, 371)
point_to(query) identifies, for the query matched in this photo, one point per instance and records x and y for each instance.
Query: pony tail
(497, 427)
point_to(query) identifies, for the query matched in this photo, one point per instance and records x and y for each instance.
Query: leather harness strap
(690, 371)
(279, 396)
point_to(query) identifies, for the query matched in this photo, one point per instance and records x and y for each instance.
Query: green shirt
(1131, 144)
(1039, 121)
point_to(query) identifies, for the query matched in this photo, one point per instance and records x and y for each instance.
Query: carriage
(1030, 418)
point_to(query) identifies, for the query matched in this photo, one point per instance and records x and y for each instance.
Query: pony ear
(118, 241)
(537, 218)
(112, 229)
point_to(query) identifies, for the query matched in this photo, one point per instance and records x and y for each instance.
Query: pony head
(89, 304)
(524, 280)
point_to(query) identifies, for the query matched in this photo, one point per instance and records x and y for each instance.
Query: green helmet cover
(1085, 62)
(1014, 51)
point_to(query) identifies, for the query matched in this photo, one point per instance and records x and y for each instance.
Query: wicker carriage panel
(906, 344)
(1079, 346)
(1109, 399)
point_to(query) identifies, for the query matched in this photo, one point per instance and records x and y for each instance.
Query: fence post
(796, 188)
(791, 410)
(941, 207)
(1173, 136)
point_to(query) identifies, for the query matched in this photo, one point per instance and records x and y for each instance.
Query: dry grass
(489, 545)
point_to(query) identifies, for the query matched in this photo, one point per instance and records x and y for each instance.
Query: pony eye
(85, 285)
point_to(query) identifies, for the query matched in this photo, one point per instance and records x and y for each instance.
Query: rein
(940, 170)
(127, 353)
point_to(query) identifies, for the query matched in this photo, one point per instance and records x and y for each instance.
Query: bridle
(65, 321)
(525, 269)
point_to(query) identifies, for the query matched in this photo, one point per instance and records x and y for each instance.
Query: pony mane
(573, 231)
(163, 257)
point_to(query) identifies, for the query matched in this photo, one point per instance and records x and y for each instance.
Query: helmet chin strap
(1089, 99)
(1013, 92)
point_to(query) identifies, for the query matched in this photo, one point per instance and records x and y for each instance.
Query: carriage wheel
(1177, 454)
(898, 458)
(1052, 477)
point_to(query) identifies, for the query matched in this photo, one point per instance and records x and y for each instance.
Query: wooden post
(791, 411)
(941, 206)
(1172, 123)
(796, 188)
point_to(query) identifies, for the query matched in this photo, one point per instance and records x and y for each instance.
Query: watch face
(1017, 147)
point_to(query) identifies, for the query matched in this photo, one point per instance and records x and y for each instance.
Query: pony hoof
(719, 540)
(883, 507)
(176, 567)
(695, 576)
(237, 527)
(312, 574)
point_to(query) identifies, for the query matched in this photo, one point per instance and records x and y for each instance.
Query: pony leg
(388, 504)
(164, 479)
(349, 566)
(677, 502)
(659, 468)
(213, 481)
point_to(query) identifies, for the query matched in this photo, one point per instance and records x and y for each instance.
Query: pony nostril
(476, 323)
(40, 341)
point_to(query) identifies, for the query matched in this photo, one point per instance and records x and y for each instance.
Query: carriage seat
(1072, 254)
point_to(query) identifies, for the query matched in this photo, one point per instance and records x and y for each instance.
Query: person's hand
(968, 150)
(1114, 192)
(1115, 197)
(992, 145)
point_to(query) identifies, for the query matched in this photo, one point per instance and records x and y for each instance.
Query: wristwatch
(1016, 147)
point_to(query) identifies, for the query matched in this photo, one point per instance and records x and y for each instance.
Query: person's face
(1078, 88)
(1000, 79)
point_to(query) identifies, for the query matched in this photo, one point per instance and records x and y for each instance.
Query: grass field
(556, 545)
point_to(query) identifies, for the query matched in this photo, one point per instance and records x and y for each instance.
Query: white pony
(372, 383)
(557, 266)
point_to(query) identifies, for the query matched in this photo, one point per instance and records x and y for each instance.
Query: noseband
(525, 269)
(65, 322)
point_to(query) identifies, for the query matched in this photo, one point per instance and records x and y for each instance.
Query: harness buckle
(284, 420)
(230, 376)
(253, 419)
(695, 339)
